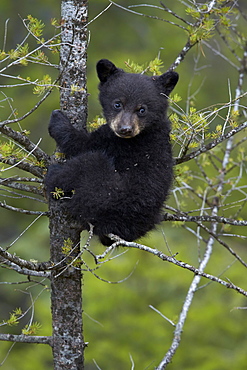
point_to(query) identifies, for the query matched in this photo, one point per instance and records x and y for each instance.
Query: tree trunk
(66, 287)
(73, 57)
(66, 297)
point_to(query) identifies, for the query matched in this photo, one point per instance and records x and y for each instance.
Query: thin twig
(146, 15)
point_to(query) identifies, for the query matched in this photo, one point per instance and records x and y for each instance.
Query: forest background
(118, 321)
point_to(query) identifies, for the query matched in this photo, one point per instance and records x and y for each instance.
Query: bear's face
(133, 102)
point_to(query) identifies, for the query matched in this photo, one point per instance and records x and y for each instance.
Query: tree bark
(66, 286)
(66, 296)
(73, 58)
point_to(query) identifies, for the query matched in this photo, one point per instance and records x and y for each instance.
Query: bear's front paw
(57, 122)
(58, 116)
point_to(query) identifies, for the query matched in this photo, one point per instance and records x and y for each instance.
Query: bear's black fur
(117, 177)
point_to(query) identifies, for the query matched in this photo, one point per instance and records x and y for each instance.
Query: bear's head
(133, 102)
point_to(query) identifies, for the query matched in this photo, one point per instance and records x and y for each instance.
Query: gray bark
(73, 97)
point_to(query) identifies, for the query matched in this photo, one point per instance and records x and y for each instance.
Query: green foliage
(31, 329)
(43, 85)
(67, 250)
(234, 118)
(9, 150)
(177, 223)
(58, 193)
(20, 54)
(175, 98)
(59, 155)
(2, 55)
(203, 31)
(124, 310)
(96, 123)
(134, 67)
(39, 56)
(75, 89)
(193, 13)
(183, 174)
(192, 129)
(36, 27)
(67, 246)
(13, 318)
(152, 67)
(206, 21)
(55, 23)
(189, 130)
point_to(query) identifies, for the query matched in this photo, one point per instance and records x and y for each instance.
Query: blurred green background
(118, 322)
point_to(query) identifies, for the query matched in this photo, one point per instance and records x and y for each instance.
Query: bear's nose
(125, 130)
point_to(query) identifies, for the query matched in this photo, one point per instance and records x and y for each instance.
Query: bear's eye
(117, 105)
(142, 111)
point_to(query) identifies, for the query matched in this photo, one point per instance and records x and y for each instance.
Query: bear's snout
(125, 131)
(125, 125)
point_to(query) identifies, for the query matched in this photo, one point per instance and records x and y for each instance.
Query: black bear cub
(117, 177)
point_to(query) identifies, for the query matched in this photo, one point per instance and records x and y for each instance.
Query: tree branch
(22, 165)
(23, 270)
(171, 259)
(203, 218)
(10, 183)
(181, 55)
(26, 339)
(146, 15)
(209, 146)
(186, 306)
(6, 122)
(24, 211)
(23, 140)
(33, 266)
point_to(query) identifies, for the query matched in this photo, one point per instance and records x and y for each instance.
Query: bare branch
(24, 211)
(33, 266)
(22, 179)
(10, 183)
(186, 306)
(181, 55)
(5, 34)
(146, 15)
(26, 339)
(174, 14)
(203, 218)
(161, 314)
(23, 270)
(6, 122)
(171, 259)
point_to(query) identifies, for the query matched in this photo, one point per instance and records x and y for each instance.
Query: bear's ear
(105, 69)
(167, 81)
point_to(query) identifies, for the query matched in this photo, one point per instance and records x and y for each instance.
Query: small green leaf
(32, 329)
(58, 193)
